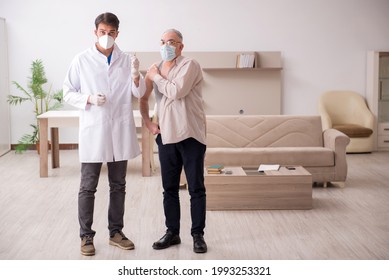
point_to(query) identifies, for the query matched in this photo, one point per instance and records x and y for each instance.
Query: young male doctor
(100, 82)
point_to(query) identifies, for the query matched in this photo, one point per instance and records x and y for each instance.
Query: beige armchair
(347, 112)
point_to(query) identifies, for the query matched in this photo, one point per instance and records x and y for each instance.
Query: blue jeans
(189, 154)
(90, 173)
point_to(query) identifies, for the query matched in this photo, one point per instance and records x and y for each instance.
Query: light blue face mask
(168, 53)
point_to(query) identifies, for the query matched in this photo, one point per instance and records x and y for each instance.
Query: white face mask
(168, 53)
(106, 41)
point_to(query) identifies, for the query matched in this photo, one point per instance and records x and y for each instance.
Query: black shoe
(167, 240)
(199, 245)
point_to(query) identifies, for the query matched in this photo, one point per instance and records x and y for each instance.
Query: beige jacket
(180, 102)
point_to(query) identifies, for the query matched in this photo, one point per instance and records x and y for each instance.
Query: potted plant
(41, 100)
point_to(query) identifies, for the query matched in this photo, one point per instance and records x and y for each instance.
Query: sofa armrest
(337, 141)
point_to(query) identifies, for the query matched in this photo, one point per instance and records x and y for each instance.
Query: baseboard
(70, 146)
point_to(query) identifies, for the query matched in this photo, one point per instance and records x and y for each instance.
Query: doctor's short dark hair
(108, 19)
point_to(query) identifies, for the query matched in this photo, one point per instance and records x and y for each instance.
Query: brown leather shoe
(121, 241)
(87, 247)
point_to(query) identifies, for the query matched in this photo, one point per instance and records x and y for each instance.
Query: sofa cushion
(354, 130)
(264, 131)
(304, 156)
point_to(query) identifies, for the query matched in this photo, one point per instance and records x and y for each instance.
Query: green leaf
(15, 100)
(19, 87)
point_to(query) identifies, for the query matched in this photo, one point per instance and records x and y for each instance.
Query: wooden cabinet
(230, 90)
(377, 95)
(383, 136)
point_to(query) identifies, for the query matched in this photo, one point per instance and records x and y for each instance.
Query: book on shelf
(268, 167)
(246, 60)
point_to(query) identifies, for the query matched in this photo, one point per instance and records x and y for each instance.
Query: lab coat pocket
(95, 116)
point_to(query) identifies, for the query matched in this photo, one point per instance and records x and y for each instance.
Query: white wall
(5, 131)
(323, 42)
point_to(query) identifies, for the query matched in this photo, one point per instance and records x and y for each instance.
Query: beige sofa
(251, 140)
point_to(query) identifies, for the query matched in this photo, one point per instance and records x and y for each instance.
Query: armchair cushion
(354, 130)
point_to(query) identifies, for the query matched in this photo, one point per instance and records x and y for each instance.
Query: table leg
(54, 147)
(146, 168)
(43, 131)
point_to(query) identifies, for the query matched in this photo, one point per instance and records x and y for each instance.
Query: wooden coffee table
(248, 189)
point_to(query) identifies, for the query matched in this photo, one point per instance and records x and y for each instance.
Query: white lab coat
(107, 133)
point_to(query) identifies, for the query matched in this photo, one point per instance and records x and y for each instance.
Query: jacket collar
(115, 53)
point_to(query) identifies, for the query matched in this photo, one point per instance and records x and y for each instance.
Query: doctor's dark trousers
(90, 173)
(189, 154)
